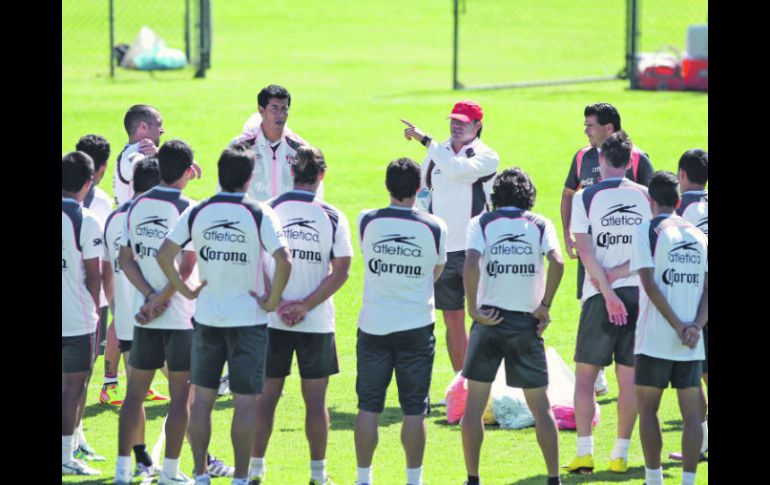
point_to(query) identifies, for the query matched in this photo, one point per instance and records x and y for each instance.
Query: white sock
(110, 380)
(585, 445)
(414, 476)
(705, 445)
(621, 449)
(170, 467)
(123, 467)
(688, 478)
(256, 467)
(364, 475)
(80, 436)
(318, 470)
(653, 477)
(66, 449)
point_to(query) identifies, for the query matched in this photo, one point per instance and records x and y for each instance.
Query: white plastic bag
(509, 405)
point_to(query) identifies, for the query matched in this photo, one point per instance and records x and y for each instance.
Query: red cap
(466, 111)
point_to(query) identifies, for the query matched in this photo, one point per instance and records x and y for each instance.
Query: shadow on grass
(152, 412)
(606, 400)
(347, 421)
(673, 425)
(98, 481)
(603, 476)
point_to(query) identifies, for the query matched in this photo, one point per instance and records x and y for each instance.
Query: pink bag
(455, 396)
(565, 416)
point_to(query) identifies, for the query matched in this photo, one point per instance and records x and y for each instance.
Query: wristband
(426, 140)
(148, 295)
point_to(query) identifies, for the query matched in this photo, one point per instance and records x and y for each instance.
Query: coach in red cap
(457, 178)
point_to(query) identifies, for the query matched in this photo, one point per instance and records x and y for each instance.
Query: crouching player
(671, 258)
(510, 303)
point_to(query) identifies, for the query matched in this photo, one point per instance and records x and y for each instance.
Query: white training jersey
(512, 243)
(610, 211)
(122, 187)
(81, 239)
(401, 247)
(229, 232)
(101, 204)
(150, 218)
(317, 233)
(694, 208)
(678, 252)
(123, 294)
(272, 170)
(460, 185)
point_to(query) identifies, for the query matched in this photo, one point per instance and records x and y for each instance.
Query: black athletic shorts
(152, 347)
(515, 340)
(124, 345)
(243, 348)
(410, 353)
(78, 353)
(316, 354)
(598, 339)
(448, 290)
(654, 372)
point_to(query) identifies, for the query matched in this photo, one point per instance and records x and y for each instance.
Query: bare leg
(266, 403)
(73, 388)
(456, 337)
(199, 428)
(648, 402)
(692, 435)
(178, 413)
(316, 416)
(545, 428)
(365, 436)
(111, 352)
(626, 401)
(413, 439)
(242, 431)
(585, 398)
(132, 417)
(473, 426)
(140, 431)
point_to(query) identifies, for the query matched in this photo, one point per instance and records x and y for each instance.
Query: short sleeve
(180, 235)
(550, 241)
(641, 253)
(125, 240)
(358, 225)
(475, 236)
(579, 223)
(342, 247)
(92, 238)
(573, 180)
(270, 231)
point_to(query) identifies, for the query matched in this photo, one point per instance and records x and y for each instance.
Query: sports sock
(621, 449)
(256, 467)
(80, 436)
(554, 480)
(653, 476)
(414, 476)
(364, 475)
(110, 379)
(318, 470)
(688, 478)
(141, 455)
(66, 449)
(705, 445)
(170, 467)
(473, 480)
(585, 445)
(123, 467)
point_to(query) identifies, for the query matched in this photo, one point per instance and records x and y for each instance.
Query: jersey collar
(167, 189)
(510, 208)
(69, 200)
(400, 208)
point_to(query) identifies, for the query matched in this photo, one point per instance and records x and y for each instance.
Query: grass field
(353, 70)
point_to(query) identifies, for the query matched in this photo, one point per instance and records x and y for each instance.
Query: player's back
(123, 289)
(401, 247)
(694, 208)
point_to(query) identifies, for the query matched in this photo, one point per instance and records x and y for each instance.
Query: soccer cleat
(123, 480)
(679, 457)
(218, 468)
(581, 464)
(77, 467)
(179, 479)
(601, 387)
(153, 395)
(224, 385)
(145, 471)
(203, 480)
(618, 465)
(110, 395)
(84, 452)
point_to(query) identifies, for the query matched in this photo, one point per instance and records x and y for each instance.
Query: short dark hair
(136, 114)
(663, 188)
(235, 166)
(695, 163)
(605, 113)
(272, 91)
(513, 187)
(174, 157)
(77, 168)
(309, 164)
(402, 178)
(97, 147)
(616, 149)
(146, 174)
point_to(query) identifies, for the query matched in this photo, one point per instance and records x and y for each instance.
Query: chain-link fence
(88, 34)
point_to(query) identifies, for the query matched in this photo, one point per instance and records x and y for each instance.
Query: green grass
(353, 70)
